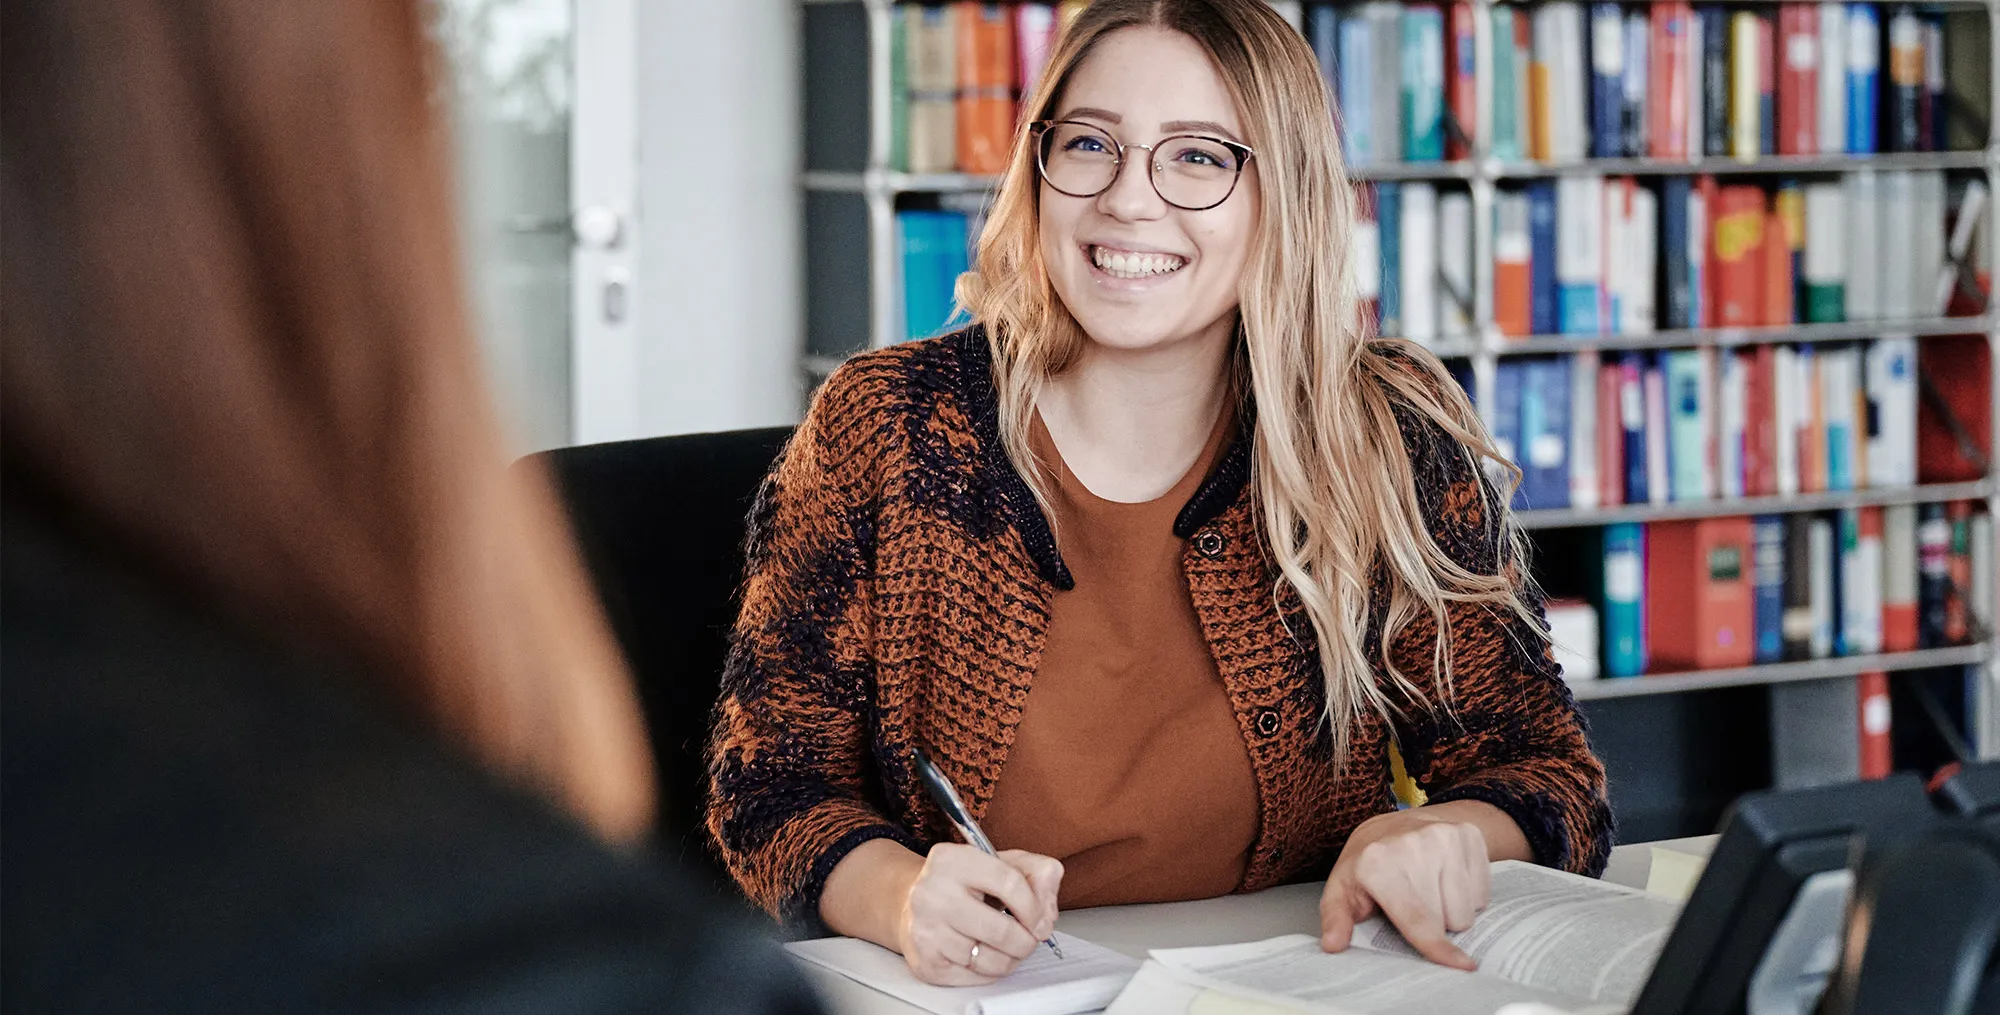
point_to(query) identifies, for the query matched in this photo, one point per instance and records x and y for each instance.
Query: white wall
(719, 295)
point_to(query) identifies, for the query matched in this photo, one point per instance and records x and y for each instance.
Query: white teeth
(1128, 264)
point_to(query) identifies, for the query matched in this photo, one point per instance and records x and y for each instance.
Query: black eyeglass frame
(1040, 128)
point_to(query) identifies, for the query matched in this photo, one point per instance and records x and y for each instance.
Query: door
(544, 116)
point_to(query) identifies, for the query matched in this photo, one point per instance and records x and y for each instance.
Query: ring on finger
(974, 957)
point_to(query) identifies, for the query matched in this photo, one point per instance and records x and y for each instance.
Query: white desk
(1289, 909)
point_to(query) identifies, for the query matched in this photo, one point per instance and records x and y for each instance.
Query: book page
(1085, 979)
(1292, 974)
(1557, 931)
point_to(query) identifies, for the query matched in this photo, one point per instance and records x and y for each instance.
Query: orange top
(1128, 765)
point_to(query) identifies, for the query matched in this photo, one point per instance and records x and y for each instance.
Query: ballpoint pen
(947, 799)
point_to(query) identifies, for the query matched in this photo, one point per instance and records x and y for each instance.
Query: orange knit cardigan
(897, 594)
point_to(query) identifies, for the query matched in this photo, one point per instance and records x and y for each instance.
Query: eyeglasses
(1189, 171)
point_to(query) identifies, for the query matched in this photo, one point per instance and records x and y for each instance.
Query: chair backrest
(661, 523)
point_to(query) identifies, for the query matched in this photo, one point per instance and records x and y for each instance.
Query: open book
(1084, 980)
(1565, 941)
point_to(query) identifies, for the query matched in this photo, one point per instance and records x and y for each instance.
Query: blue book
(1542, 257)
(1767, 541)
(1580, 253)
(1864, 55)
(1714, 60)
(1545, 395)
(1607, 81)
(933, 249)
(1423, 83)
(1632, 424)
(1461, 371)
(1686, 435)
(1389, 228)
(1674, 263)
(1509, 378)
(1638, 37)
(1355, 79)
(1624, 599)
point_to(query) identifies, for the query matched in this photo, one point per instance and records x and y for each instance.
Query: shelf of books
(1717, 276)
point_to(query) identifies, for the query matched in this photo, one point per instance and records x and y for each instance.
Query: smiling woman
(1166, 561)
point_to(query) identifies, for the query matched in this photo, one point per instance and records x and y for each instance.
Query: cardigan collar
(1224, 484)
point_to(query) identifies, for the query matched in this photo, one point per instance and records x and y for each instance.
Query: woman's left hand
(1426, 872)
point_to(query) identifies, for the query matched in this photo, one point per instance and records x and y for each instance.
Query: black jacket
(196, 819)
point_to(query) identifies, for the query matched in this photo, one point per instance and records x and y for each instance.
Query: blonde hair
(1330, 469)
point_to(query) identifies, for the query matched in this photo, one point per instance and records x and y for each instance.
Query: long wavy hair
(1332, 478)
(236, 353)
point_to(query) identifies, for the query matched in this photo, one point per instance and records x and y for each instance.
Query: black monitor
(1772, 845)
(1974, 792)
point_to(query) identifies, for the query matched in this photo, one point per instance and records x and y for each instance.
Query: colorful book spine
(1659, 461)
(1667, 80)
(1933, 576)
(1624, 599)
(1355, 75)
(1583, 443)
(1715, 33)
(1674, 194)
(1798, 79)
(1874, 720)
(1736, 256)
(1905, 92)
(1767, 86)
(1545, 430)
(1933, 99)
(1687, 422)
(930, 39)
(1768, 550)
(1632, 423)
(1633, 89)
(1860, 581)
(1513, 265)
(1389, 226)
(1461, 84)
(1745, 71)
(1609, 434)
(1423, 83)
(1417, 262)
(1607, 80)
(1543, 290)
(1832, 72)
(1509, 385)
(1580, 253)
(1796, 624)
(1823, 271)
(1899, 578)
(1034, 40)
(1863, 60)
(1508, 109)
(985, 87)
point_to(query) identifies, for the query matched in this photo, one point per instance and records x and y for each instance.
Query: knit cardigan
(899, 577)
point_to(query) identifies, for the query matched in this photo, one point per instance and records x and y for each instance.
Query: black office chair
(661, 523)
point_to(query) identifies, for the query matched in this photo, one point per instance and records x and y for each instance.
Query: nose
(1131, 196)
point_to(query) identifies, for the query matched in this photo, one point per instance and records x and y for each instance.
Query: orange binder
(985, 87)
(1699, 601)
(1776, 276)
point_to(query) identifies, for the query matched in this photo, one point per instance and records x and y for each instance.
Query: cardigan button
(1209, 543)
(1267, 722)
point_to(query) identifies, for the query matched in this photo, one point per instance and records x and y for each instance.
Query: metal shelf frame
(1482, 174)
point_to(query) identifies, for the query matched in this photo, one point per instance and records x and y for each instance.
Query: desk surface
(1134, 930)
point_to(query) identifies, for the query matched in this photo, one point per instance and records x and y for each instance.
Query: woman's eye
(1202, 157)
(1084, 144)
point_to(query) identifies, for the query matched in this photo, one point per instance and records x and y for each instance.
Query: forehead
(1149, 76)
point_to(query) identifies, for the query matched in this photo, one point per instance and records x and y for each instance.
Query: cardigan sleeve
(1509, 732)
(789, 754)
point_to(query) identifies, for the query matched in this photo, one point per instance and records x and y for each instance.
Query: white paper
(1085, 979)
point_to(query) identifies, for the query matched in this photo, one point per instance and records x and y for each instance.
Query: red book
(1776, 278)
(1959, 565)
(1873, 716)
(1711, 205)
(1736, 255)
(1960, 368)
(1767, 85)
(985, 87)
(1666, 80)
(1610, 442)
(1760, 425)
(1798, 79)
(1461, 86)
(1699, 612)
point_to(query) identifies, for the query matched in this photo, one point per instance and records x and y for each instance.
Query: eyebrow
(1170, 127)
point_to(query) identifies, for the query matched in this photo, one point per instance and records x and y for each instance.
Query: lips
(1134, 264)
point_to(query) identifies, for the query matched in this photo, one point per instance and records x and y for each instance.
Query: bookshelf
(852, 195)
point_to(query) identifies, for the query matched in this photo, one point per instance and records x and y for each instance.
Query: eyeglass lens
(1188, 171)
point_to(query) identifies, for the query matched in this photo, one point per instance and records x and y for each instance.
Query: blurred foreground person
(307, 705)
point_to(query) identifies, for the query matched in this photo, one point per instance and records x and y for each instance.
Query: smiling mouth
(1134, 264)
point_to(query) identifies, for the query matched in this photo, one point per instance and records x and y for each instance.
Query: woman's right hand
(946, 913)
